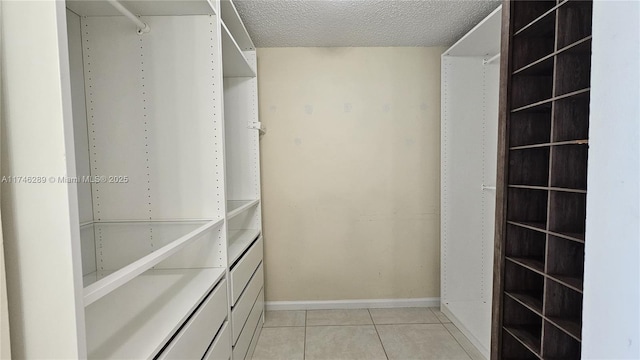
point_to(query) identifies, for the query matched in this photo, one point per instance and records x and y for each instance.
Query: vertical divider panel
(113, 87)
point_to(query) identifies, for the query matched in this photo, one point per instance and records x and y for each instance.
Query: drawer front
(194, 338)
(244, 269)
(256, 337)
(242, 346)
(221, 347)
(243, 307)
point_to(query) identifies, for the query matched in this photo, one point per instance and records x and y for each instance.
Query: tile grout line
(457, 341)
(449, 331)
(377, 333)
(304, 343)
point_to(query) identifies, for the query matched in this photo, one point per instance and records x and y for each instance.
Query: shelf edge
(120, 277)
(241, 209)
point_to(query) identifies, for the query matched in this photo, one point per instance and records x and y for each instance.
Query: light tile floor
(367, 334)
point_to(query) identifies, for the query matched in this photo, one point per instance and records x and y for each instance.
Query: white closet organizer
(168, 179)
(242, 179)
(470, 76)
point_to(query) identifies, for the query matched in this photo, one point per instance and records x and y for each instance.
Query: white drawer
(243, 307)
(256, 337)
(194, 338)
(243, 270)
(221, 347)
(240, 350)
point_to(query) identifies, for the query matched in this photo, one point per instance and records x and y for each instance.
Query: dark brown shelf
(545, 64)
(540, 105)
(542, 171)
(559, 343)
(534, 304)
(548, 188)
(538, 226)
(529, 263)
(574, 21)
(571, 327)
(536, 22)
(527, 336)
(513, 348)
(572, 282)
(550, 144)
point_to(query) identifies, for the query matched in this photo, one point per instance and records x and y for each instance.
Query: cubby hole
(523, 324)
(559, 345)
(530, 128)
(534, 43)
(567, 213)
(571, 118)
(573, 72)
(565, 261)
(529, 90)
(529, 166)
(513, 349)
(525, 243)
(524, 12)
(569, 166)
(563, 307)
(574, 21)
(524, 284)
(528, 207)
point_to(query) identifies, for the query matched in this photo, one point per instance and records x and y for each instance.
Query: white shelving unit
(470, 75)
(161, 211)
(237, 207)
(136, 321)
(235, 63)
(242, 182)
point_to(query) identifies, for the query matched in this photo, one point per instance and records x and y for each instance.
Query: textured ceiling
(290, 23)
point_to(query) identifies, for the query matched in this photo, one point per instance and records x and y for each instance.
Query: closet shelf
(239, 241)
(578, 237)
(529, 263)
(234, 63)
(546, 62)
(580, 191)
(237, 207)
(536, 22)
(571, 282)
(526, 335)
(544, 105)
(143, 8)
(234, 24)
(175, 234)
(137, 319)
(538, 226)
(570, 327)
(534, 304)
(559, 143)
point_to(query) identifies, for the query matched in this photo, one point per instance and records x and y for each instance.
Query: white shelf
(175, 234)
(237, 207)
(234, 63)
(142, 7)
(481, 40)
(239, 241)
(136, 320)
(235, 25)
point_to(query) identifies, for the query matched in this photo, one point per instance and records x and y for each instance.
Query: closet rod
(142, 27)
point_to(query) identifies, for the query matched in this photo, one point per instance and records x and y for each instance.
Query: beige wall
(351, 172)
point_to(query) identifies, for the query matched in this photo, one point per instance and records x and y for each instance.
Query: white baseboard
(352, 304)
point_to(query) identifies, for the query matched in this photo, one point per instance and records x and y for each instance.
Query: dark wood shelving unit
(542, 179)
